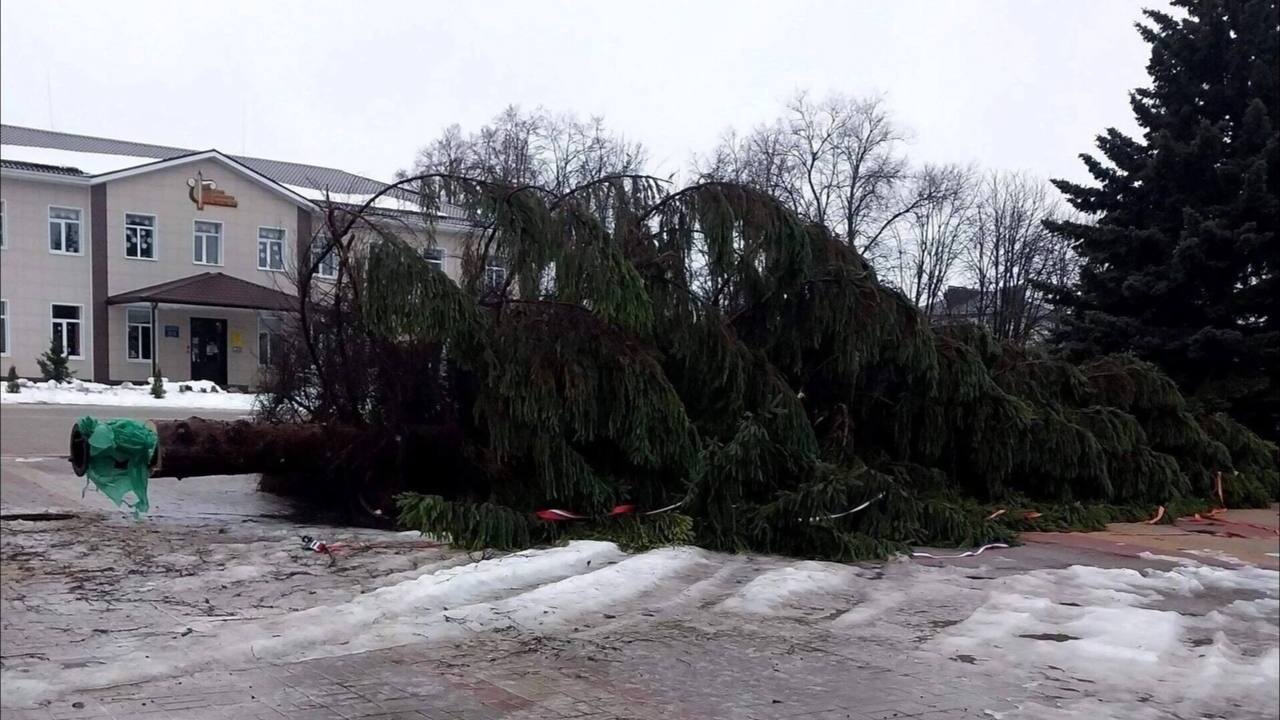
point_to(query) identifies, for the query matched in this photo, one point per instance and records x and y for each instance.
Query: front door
(209, 350)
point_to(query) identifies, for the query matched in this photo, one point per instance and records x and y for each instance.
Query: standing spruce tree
(1182, 261)
(53, 363)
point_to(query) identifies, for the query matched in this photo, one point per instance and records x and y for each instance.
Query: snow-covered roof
(31, 167)
(96, 156)
(389, 201)
(86, 162)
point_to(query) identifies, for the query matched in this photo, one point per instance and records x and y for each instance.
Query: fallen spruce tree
(702, 366)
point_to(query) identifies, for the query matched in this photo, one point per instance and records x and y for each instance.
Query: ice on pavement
(1134, 637)
(388, 616)
(201, 394)
(1142, 644)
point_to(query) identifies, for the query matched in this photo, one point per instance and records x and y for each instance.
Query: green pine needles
(705, 354)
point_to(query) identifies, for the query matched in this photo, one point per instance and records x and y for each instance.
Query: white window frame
(318, 244)
(427, 253)
(264, 328)
(204, 248)
(151, 348)
(49, 218)
(155, 236)
(4, 314)
(63, 322)
(489, 268)
(284, 248)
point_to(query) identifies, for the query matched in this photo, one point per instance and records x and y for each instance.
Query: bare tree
(837, 161)
(532, 148)
(927, 242)
(1012, 257)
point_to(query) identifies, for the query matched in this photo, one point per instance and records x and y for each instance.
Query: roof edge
(49, 177)
(211, 154)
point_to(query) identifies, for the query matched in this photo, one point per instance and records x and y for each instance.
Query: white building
(133, 254)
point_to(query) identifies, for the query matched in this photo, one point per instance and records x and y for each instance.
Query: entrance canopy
(211, 289)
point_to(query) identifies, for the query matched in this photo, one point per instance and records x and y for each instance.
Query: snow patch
(1165, 558)
(90, 163)
(393, 615)
(1217, 555)
(389, 201)
(203, 394)
(1121, 629)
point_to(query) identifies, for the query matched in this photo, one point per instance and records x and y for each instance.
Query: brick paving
(80, 594)
(489, 678)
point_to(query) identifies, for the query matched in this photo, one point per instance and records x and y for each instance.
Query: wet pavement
(211, 607)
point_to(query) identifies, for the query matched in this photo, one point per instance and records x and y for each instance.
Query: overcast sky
(1017, 84)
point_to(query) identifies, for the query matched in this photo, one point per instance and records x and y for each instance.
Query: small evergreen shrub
(53, 363)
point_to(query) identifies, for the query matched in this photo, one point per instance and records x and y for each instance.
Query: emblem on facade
(205, 192)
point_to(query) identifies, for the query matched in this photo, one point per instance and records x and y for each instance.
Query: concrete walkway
(212, 608)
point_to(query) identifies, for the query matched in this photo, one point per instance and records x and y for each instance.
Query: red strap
(1214, 518)
(557, 515)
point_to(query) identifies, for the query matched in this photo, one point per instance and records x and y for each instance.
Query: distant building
(134, 255)
(1008, 314)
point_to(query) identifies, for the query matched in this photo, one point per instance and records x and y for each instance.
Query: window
(325, 259)
(269, 339)
(66, 329)
(140, 236)
(434, 257)
(4, 327)
(208, 243)
(64, 230)
(138, 338)
(270, 248)
(495, 276)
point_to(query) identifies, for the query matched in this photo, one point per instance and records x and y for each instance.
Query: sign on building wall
(171, 331)
(205, 192)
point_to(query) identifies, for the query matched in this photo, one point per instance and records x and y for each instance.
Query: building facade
(135, 257)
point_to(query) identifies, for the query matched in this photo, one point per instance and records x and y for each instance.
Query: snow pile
(185, 394)
(1119, 630)
(871, 608)
(1083, 642)
(787, 590)
(429, 606)
(598, 591)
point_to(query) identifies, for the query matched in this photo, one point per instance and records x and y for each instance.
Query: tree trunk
(197, 447)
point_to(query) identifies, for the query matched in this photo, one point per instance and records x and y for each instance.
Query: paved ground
(195, 613)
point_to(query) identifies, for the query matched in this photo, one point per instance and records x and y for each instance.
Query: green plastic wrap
(119, 458)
